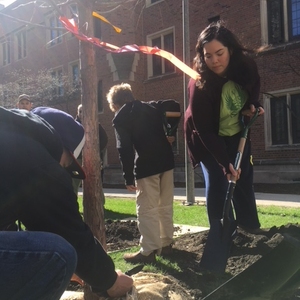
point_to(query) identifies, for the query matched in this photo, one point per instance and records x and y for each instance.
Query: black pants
(216, 186)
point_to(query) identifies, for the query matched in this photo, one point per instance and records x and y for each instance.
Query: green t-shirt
(233, 100)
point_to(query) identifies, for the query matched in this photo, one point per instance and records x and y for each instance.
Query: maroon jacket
(201, 121)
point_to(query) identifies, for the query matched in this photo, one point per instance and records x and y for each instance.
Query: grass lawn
(121, 208)
(195, 215)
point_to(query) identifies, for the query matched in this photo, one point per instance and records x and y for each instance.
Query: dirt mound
(191, 282)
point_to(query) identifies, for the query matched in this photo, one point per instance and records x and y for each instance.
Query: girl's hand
(250, 112)
(234, 173)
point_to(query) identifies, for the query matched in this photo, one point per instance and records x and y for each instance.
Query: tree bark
(92, 187)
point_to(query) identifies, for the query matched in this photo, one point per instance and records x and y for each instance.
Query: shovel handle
(242, 142)
(237, 164)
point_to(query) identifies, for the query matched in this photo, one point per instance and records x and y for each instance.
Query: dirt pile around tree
(191, 282)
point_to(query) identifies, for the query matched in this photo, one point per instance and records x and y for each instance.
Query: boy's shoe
(167, 250)
(138, 257)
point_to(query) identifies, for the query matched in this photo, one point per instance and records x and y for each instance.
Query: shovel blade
(217, 248)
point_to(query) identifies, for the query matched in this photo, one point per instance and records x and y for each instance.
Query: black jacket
(141, 140)
(35, 189)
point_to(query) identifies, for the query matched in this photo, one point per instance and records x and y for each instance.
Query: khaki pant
(154, 207)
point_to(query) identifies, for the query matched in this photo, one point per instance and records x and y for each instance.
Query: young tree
(92, 187)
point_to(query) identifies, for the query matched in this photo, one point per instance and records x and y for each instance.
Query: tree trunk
(92, 187)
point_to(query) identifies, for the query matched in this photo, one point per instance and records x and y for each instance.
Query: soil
(246, 250)
(258, 264)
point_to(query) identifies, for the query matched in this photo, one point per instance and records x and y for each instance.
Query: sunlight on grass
(195, 215)
(121, 208)
(163, 265)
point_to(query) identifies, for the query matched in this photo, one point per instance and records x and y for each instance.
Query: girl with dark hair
(229, 84)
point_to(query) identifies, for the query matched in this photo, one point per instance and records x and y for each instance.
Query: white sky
(6, 2)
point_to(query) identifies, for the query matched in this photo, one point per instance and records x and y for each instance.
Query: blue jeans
(34, 265)
(216, 185)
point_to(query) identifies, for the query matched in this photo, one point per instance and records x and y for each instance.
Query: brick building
(276, 136)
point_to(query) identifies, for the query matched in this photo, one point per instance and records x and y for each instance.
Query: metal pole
(189, 172)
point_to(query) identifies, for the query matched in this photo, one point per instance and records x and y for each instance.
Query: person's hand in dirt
(122, 285)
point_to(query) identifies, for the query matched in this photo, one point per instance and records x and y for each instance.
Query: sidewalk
(180, 195)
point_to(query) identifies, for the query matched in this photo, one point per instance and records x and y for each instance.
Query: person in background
(76, 182)
(148, 162)
(229, 85)
(38, 162)
(103, 140)
(24, 102)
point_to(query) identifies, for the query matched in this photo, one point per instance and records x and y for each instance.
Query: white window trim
(49, 40)
(71, 64)
(113, 68)
(7, 52)
(148, 2)
(264, 22)
(267, 119)
(150, 37)
(56, 70)
(16, 45)
(70, 15)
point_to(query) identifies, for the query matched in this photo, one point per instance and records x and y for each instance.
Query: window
(21, 45)
(280, 21)
(58, 86)
(55, 36)
(150, 2)
(74, 69)
(157, 65)
(5, 52)
(283, 118)
(72, 13)
(294, 18)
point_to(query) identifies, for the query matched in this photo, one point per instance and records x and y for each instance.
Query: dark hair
(241, 68)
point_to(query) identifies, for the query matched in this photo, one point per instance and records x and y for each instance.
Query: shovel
(219, 240)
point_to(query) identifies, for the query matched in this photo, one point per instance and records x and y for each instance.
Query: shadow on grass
(113, 215)
(190, 273)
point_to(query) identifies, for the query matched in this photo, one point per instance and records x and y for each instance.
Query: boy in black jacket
(148, 162)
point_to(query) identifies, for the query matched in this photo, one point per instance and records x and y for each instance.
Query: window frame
(75, 81)
(5, 52)
(55, 35)
(152, 2)
(285, 23)
(20, 44)
(150, 61)
(59, 90)
(287, 93)
(72, 13)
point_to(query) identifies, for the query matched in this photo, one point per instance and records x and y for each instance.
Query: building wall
(138, 20)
